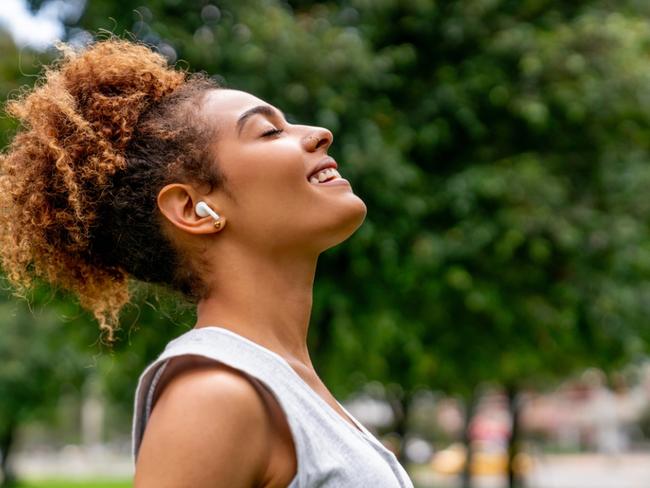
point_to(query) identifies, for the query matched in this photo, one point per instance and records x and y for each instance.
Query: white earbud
(203, 210)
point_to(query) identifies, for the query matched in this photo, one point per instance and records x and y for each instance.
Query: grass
(63, 483)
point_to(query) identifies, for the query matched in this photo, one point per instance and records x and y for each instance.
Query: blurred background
(489, 320)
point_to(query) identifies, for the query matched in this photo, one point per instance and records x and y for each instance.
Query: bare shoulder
(209, 428)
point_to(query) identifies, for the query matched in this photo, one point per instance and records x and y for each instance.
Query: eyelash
(271, 132)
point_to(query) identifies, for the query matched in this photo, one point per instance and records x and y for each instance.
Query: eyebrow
(260, 109)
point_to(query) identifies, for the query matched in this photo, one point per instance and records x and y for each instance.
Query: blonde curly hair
(102, 131)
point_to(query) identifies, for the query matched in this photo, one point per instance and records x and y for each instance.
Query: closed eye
(272, 132)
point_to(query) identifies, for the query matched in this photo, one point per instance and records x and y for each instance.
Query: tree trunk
(400, 405)
(514, 442)
(470, 406)
(6, 443)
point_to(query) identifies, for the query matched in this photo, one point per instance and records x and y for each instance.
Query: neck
(264, 298)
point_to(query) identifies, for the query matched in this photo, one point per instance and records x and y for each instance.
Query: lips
(327, 162)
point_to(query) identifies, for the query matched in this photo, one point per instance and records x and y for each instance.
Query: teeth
(323, 175)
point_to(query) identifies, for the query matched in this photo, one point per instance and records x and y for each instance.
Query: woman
(126, 168)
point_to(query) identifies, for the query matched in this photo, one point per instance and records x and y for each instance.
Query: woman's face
(266, 162)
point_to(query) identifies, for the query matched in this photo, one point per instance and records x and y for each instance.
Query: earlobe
(181, 206)
(218, 224)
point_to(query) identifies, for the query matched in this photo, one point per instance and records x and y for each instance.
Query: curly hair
(100, 134)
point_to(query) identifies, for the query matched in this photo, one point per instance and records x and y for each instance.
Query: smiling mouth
(324, 175)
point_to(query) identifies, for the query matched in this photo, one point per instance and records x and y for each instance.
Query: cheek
(268, 183)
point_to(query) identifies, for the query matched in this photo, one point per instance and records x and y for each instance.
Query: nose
(320, 138)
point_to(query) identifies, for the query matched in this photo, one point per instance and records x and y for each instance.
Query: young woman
(125, 169)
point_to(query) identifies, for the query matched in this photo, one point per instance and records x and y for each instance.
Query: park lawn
(63, 483)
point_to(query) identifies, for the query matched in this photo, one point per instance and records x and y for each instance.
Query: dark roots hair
(101, 133)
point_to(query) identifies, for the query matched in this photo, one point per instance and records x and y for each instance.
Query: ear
(176, 202)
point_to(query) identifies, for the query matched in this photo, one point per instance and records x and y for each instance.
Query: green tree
(39, 362)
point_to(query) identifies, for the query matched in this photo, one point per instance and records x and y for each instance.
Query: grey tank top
(329, 451)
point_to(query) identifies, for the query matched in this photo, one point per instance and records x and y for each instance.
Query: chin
(348, 224)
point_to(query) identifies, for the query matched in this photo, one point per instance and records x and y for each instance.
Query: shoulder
(209, 428)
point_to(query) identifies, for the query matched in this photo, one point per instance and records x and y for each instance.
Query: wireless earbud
(202, 209)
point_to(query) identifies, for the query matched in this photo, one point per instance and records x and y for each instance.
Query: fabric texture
(330, 452)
